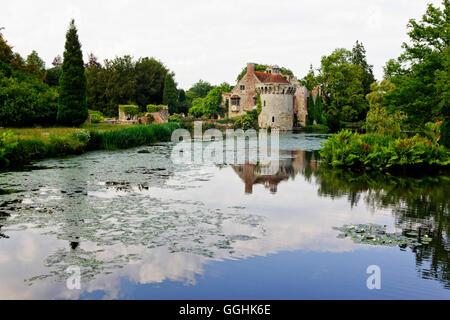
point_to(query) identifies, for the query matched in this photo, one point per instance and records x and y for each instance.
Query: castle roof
(270, 77)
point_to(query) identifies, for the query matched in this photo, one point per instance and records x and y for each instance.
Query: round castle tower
(277, 101)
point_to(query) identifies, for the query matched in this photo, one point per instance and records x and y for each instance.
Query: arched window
(273, 119)
(264, 103)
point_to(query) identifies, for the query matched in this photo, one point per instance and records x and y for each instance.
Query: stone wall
(161, 116)
(247, 96)
(301, 96)
(123, 116)
(277, 113)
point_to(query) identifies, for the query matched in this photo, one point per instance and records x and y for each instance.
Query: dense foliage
(72, 104)
(154, 108)
(210, 105)
(170, 94)
(373, 151)
(6, 146)
(421, 73)
(125, 81)
(96, 117)
(129, 109)
(25, 99)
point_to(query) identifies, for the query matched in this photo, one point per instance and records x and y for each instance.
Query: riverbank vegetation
(21, 146)
(407, 119)
(375, 151)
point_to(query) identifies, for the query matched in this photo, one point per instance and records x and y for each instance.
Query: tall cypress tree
(170, 93)
(319, 109)
(72, 107)
(311, 110)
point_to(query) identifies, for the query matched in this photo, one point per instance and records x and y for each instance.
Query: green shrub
(129, 109)
(247, 121)
(81, 135)
(154, 108)
(96, 117)
(62, 146)
(26, 101)
(374, 151)
(7, 143)
(176, 117)
(26, 150)
(432, 131)
(445, 131)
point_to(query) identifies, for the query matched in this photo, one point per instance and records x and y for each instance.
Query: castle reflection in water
(271, 174)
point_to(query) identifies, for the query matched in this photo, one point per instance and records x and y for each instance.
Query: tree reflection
(419, 202)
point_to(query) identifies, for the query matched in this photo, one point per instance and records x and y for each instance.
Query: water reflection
(270, 174)
(140, 217)
(419, 203)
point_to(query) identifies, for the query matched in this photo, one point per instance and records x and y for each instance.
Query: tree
(182, 102)
(342, 85)
(25, 100)
(420, 74)
(199, 90)
(170, 93)
(378, 119)
(149, 76)
(35, 62)
(311, 110)
(310, 80)
(208, 106)
(124, 81)
(359, 59)
(72, 106)
(8, 56)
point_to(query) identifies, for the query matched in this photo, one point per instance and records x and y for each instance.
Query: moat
(142, 227)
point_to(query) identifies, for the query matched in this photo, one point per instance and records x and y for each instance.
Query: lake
(138, 226)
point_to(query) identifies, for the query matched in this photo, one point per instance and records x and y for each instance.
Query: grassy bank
(375, 151)
(20, 146)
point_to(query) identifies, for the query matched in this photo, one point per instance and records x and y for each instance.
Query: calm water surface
(141, 227)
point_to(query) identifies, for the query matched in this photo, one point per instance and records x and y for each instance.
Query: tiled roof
(270, 77)
(235, 96)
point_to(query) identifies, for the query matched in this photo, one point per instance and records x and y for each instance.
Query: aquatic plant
(375, 234)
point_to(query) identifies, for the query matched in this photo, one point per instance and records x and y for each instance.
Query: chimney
(250, 68)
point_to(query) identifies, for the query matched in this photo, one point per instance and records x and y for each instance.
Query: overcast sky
(213, 40)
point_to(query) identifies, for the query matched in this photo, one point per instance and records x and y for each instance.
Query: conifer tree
(170, 94)
(72, 106)
(311, 110)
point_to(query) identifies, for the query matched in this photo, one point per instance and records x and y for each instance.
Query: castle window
(235, 101)
(242, 87)
(255, 101)
(264, 103)
(273, 119)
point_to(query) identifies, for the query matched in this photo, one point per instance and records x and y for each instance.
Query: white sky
(211, 39)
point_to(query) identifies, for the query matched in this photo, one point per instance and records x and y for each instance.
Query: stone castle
(283, 99)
